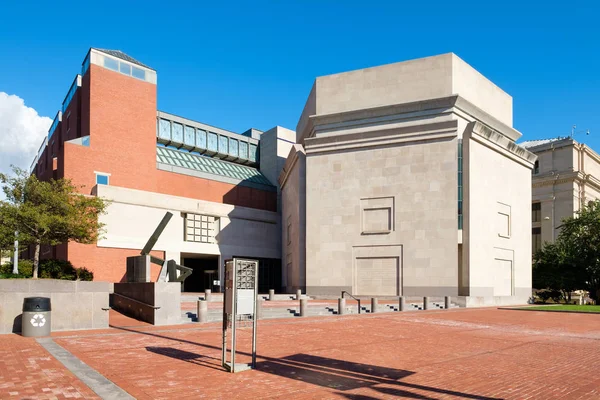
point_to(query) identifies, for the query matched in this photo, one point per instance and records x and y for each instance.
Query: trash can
(36, 317)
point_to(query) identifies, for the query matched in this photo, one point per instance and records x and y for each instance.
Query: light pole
(16, 254)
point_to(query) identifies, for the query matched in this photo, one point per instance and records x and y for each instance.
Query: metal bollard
(202, 311)
(259, 308)
(447, 302)
(298, 294)
(341, 306)
(271, 294)
(425, 303)
(374, 305)
(401, 304)
(207, 295)
(303, 304)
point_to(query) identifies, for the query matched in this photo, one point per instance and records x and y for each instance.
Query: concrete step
(291, 312)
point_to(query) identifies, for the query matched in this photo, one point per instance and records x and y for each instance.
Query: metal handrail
(137, 301)
(350, 294)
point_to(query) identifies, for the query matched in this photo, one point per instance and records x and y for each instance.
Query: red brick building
(110, 139)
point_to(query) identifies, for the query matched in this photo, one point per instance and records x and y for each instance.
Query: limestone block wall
(75, 304)
(370, 209)
(497, 219)
(293, 195)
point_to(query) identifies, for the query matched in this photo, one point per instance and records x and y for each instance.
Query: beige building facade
(405, 179)
(565, 177)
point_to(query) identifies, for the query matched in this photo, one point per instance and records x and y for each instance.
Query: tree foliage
(47, 213)
(573, 261)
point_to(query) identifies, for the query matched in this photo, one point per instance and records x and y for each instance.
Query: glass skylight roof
(209, 165)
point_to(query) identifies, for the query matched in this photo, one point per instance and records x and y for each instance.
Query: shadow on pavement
(330, 373)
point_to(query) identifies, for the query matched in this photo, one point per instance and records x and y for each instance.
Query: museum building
(402, 179)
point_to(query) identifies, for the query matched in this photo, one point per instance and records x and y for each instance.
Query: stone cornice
(292, 159)
(423, 108)
(382, 136)
(500, 143)
(565, 177)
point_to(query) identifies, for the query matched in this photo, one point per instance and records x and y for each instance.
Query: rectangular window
(536, 212)
(111, 64)
(177, 133)
(164, 129)
(190, 136)
(536, 168)
(252, 153)
(125, 68)
(201, 139)
(233, 147)
(102, 178)
(244, 150)
(138, 73)
(223, 141)
(212, 141)
(201, 228)
(536, 240)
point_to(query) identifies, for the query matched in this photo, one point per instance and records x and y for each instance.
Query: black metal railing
(350, 294)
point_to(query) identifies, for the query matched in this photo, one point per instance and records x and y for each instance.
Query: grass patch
(565, 308)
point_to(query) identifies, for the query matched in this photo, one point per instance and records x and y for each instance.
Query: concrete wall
(158, 303)
(133, 216)
(497, 220)
(293, 194)
(75, 304)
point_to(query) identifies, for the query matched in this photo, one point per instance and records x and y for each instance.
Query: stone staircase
(216, 314)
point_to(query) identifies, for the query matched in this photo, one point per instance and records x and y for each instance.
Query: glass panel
(252, 152)
(111, 64)
(85, 141)
(164, 130)
(212, 141)
(244, 150)
(177, 133)
(190, 136)
(86, 65)
(101, 179)
(223, 144)
(138, 73)
(200, 139)
(233, 147)
(125, 68)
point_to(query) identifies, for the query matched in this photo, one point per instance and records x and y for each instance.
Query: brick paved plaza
(466, 353)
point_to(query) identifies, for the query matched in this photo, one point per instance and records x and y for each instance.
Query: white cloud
(22, 131)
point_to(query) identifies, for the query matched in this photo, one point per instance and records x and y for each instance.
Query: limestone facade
(565, 177)
(383, 150)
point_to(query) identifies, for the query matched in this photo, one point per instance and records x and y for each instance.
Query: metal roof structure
(123, 56)
(210, 166)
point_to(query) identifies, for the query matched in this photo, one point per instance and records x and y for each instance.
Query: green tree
(573, 261)
(47, 213)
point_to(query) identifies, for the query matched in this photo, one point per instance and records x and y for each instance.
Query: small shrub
(84, 274)
(57, 269)
(25, 270)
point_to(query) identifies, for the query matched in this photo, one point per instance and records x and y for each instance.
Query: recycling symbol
(38, 320)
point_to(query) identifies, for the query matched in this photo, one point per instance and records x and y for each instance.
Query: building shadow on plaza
(339, 376)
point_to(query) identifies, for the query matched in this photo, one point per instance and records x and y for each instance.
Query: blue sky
(251, 64)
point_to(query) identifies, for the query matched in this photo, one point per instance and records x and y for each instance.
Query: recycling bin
(36, 317)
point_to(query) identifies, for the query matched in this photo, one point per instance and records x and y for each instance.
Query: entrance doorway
(205, 270)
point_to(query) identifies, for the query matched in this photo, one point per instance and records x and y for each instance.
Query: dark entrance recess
(204, 271)
(269, 274)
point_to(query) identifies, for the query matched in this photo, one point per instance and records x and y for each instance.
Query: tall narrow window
(536, 168)
(460, 184)
(536, 212)
(536, 240)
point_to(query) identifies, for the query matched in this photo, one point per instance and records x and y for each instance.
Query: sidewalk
(454, 354)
